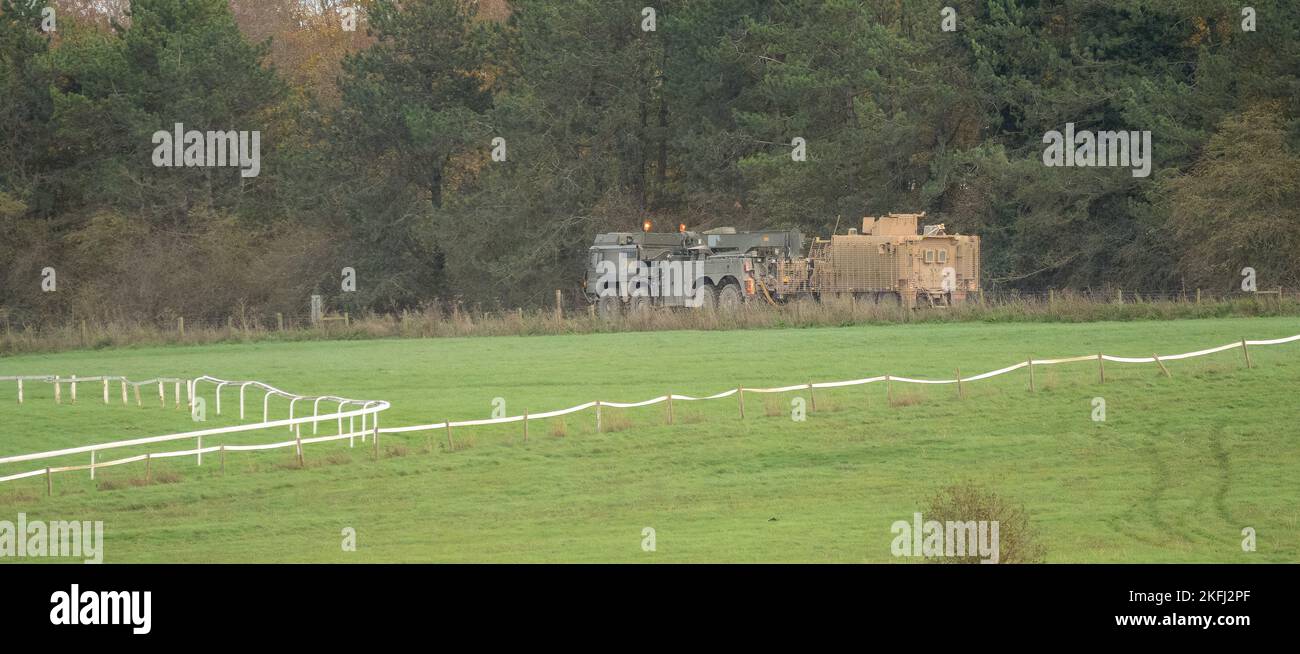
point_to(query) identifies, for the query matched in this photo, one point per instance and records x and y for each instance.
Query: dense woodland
(376, 143)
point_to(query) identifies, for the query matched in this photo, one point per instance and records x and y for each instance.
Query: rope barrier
(374, 407)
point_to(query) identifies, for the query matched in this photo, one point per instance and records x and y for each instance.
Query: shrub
(1018, 542)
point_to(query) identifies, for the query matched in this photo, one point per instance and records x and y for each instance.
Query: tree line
(378, 142)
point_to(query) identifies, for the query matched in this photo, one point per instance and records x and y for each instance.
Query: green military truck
(636, 271)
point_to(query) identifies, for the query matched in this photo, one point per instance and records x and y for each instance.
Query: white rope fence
(597, 404)
(368, 410)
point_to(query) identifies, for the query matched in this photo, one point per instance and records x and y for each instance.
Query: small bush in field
(1018, 543)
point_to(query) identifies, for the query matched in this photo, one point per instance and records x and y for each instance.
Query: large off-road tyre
(639, 306)
(609, 307)
(730, 298)
(889, 299)
(708, 295)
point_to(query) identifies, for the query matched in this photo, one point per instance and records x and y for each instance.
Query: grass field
(1178, 468)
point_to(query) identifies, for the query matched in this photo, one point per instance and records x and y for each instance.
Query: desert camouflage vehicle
(893, 260)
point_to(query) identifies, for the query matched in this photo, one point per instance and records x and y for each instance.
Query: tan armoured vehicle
(894, 259)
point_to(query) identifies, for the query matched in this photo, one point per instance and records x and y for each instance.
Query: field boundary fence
(368, 410)
(740, 391)
(344, 409)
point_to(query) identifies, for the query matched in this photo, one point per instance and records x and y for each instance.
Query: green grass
(1175, 472)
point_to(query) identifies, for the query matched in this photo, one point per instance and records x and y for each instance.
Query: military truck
(893, 260)
(635, 271)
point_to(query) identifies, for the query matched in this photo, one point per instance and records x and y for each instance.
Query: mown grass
(1178, 468)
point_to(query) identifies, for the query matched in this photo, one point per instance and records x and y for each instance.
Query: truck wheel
(639, 306)
(889, 299)
(609, 307)
(730, 297)
(708, 295)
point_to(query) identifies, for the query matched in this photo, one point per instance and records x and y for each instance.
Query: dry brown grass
(337, 459)
(614, 421)
(905, 399)
(167, 477)
(434, 322)
(460, 442)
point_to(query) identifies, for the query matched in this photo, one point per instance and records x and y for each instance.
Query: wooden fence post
(137, 397)
(49, 482)
(741, 392)
(961, 394)
(106, 390)
(125, 401)
(597, 416)
(58, 391)
(1162, 365)
(525, 425)
(451, 444)
(812, 398)
(670, 407)
(1246, 351)
(1030, 363)
(559, 305)
(1101, 368)
(20, 391)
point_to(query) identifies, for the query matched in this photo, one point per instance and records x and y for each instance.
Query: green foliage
(412, 105)
(606, 124)
(1237, 209)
